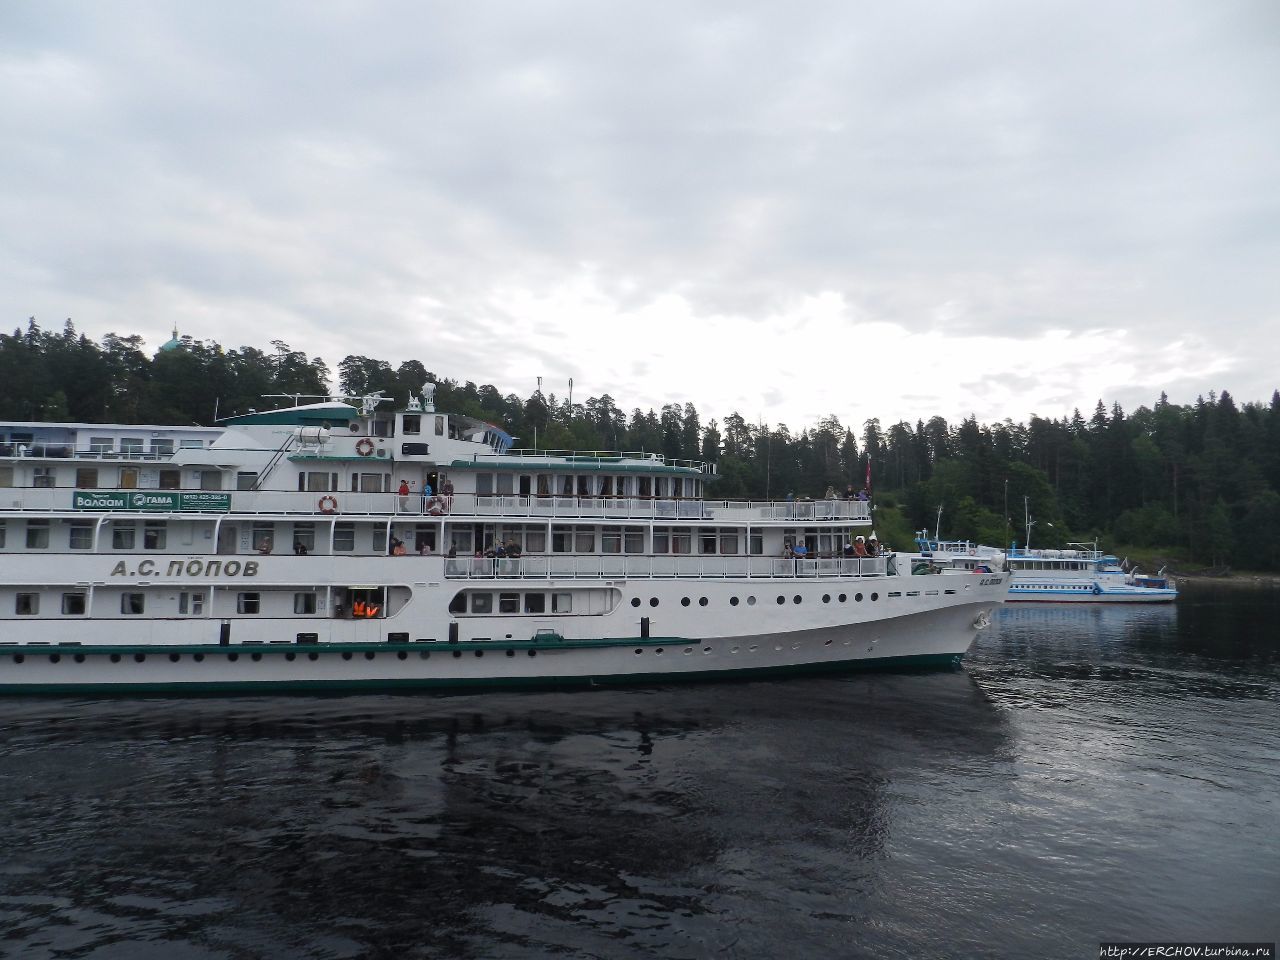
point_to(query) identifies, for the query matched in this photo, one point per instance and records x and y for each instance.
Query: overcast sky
(794, 210)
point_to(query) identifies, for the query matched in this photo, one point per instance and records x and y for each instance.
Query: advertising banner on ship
(150, 500)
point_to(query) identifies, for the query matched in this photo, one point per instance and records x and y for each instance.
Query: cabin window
(170, 479)
(544, 485)
(154, 535)
(80, 536)
(756, 541)
(191, 444)
(561, 539)
(535, 541)
(562, 603)
(584, 540)
(263, 536)
(27, 604)
(606, 486)
(73, 604)
(707, 540)
(728, 543)
(344, 537)
(458, 604)
(210, 479)
(645, 485)
(248, 602)
(508, 603)
(484, 484)
(87, 478)
(412, 425)
(6, 476)
(101, 445)
(633, 540)
(317, 481)
(566, 486)
(526, 485)
(506, 485)
(482, 603)
(660, 487)
(439, 426)
(584, 486)
(162, 448)
(611, 540)
(622, 488)
(304, 536)
(191, 604)
(133, 604)
(131, 446)
(304, 603)
(245, 479)
(37, 534)
(370, 482)
(44, 477)
(2, 533)
(535, 603)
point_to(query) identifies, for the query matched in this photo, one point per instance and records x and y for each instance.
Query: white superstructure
(263, 553)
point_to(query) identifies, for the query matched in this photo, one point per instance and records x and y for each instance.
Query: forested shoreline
(1201, 481)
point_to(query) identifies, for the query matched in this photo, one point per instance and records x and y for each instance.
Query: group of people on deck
(431, 504)
(856, 548)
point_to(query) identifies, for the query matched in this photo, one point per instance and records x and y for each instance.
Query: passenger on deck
(860, 547)
(299, 548)
(403, 493)
(264, 547)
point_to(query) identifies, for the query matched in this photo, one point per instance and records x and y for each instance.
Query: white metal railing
(608, 509)
(574, 567)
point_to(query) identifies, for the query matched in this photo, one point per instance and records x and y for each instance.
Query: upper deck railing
(599, 457)
(338, 504)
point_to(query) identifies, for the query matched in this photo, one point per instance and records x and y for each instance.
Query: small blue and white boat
(1081, 573)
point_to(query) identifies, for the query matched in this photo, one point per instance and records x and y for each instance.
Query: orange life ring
(364, 446)
(973, 552)
(328, 504)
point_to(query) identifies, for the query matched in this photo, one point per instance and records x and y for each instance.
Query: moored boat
(336, 545)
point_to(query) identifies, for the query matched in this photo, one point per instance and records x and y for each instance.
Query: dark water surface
(1093, 773)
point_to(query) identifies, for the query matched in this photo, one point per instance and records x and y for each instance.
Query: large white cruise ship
(339, 546)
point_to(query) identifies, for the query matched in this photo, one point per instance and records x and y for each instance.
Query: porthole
(401, 655)
(233, 657)
(115, 658)
(313, 656)
(844, 597)
(796, 598)
(639, 651)
(857, 597)
(255, 657)
(653, 601)
(875, 596)
(826, 643)
(457, 654)
(751, 601)
(479, 653)
(198, 658)
(733, 601)
(706, 649)
(781, 599)
(369, 654)
(826, 598)
(346, 654)
(688, 650)
(18, 658)
(78, 658)
(533, 653)
(422, 654)
(511, 653)
(702, 601)
(54, 658)
(684, 601)
(635, 601)
(139, 657)
(175, 657)
(291, 656)
(658, 651)
(733, 649)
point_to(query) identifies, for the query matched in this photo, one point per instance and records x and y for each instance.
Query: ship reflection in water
(1094, 773)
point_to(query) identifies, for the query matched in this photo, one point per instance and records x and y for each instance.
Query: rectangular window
(210, 479)
(44, 477)
(706, 540)
(161, 448)
(412, 424)
(131, 446)
(728, 543)
(122, 536)
(561, 539)
(155, 535)
(37, 534)
(27, 604)
(133, 604)
(645, 485)
(610, 539)
(304, 536)
(661, 540)
(484, 484)
(320, 482)
(80, 536)
(535, 541)
(505, 485)
(191, 604)
(191, 444)
(6, 476)
(566, 486)
(370, 483)
(263, 537)
(508, 603)
(682, 541)
(87, 478)
(73, 604)
(584, 541)
(757, 544)
(245, 479)
(304, 603)
(101, 445)
(562, 603)
(344, 537)
(2, 533)
(482, 603)
(535, 603)
(439, 426)
(170, 479)
(248, 602)
(633, 540)
(584, 487)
